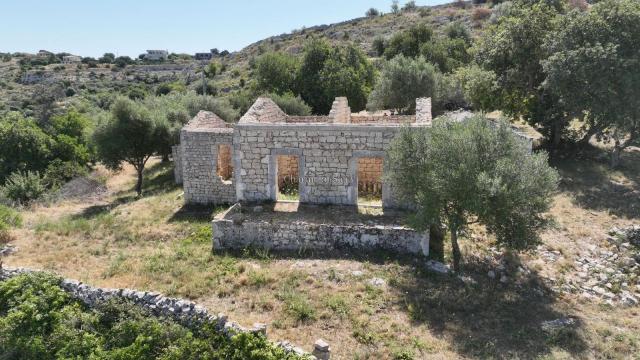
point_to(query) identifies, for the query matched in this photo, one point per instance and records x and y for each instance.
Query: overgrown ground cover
(39, 320)
(154, 243)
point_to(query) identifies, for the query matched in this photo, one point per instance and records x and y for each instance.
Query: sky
(129, 27)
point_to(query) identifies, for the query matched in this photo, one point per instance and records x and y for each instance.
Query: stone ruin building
(326, 157)
(323, 160)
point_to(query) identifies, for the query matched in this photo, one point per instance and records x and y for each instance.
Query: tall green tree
(401, 82)
(458, 173)
(275, 72)
(129, 135)
(595, 70)
(326, 73)
(23, 146)
(347, 72)
(408, 42)
(514, 49)
(309, 80)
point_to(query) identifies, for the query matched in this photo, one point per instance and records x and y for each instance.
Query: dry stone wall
(176, 153)
(201, 183)
(234, 231)
(182, 311)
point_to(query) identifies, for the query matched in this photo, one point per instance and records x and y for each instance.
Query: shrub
(378, 46)
(401, 82)
(372, 12)
(9, 218)
(409, 6)
(38, 320)
(24, 187)
(290, 104)
(59, 172)
(480, 13)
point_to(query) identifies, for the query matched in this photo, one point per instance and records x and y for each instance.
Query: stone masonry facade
(323, 152)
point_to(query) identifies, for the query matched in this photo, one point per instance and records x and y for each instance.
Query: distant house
(207, 56)
(156, 55)
(203, 56)
(71, 59)
(44, 53)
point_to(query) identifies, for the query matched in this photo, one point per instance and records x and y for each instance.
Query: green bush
(24, 187)
(38, 320)
(9, 218)
(59, 172)
(290, 104)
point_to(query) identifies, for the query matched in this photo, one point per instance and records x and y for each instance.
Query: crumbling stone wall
(231, 232)
(328, 156)
(176, 153)
(201, 183)
(340, 112)
(423, 111)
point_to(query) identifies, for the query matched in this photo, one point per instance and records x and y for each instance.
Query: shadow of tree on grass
(594, 185)
(485, 318)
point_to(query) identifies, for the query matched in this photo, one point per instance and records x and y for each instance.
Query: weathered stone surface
(229, 232)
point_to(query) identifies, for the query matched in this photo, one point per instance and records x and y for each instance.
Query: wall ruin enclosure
(321, 154)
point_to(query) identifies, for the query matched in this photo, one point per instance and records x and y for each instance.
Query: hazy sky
(129, 27)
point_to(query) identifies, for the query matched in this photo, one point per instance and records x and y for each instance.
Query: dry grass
(154, 243)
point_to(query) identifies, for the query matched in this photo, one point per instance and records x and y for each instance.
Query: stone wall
(377, 119)
(328, 156)
(233, 231)
(182, 311)
(340, 112)
(423, 111)
(176, 153)
(201, 183)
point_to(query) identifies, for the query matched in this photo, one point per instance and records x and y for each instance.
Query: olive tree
(128, 135)
(402, 81)
(458, 173)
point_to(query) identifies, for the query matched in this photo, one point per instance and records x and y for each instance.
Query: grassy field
(155, 243)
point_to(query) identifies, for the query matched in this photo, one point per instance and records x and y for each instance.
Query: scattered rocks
(8, 250)
(557, 324)
(377, 282)
(258, 209)
(357, 273)
(491, 274)
(610, 273)
(437, 266)
(321, 350)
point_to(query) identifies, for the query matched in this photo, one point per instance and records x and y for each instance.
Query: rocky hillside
(20, 84)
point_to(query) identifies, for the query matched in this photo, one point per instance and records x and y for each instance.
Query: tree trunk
(165, 158)
(582, 143)
(556, 135)
(455, 248)
(436, 241)
(139, 183)
(615, 154)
